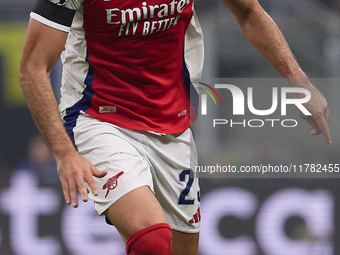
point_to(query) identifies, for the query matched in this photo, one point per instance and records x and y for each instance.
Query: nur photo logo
(243, 102)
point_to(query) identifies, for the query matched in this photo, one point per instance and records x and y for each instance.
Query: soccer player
(124, 134)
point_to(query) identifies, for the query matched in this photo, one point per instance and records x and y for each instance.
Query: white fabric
(145, 159)
(49, 23)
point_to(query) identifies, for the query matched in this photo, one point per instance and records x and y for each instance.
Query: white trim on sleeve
(49, 23)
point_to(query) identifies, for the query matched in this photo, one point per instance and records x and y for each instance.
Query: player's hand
(74, 170)
(317, 106)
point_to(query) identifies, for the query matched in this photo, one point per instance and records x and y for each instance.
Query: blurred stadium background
(240, 216)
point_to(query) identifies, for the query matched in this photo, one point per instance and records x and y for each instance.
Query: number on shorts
(184, 193)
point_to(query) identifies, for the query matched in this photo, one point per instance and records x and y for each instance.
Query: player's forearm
(43, 106)
(264, 34)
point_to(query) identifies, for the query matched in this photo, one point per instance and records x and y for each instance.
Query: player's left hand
(317, 106)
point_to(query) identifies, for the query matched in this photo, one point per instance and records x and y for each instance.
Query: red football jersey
(128, 63)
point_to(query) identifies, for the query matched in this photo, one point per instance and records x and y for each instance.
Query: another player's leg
(184, 244)
(140, 220)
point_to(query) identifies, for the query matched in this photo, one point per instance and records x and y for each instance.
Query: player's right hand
(74, 170)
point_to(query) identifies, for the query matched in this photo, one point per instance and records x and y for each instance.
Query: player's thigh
(134, 211)
(125, 194)
(184, 243)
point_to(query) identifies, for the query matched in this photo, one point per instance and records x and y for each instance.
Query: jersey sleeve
(194, 49)
(56, 13)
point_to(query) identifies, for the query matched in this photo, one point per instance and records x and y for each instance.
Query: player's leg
(173, 159)
(135, 211)
(184, 243)
(125, 194)
(140, 220)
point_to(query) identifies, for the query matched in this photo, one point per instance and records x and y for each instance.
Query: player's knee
(153, 240)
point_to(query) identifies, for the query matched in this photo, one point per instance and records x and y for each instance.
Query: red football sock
(153, 240)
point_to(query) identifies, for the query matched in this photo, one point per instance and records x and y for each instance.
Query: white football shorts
(165, 163)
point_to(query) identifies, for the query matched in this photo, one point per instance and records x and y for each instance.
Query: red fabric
(137, 59)
(153, 240)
